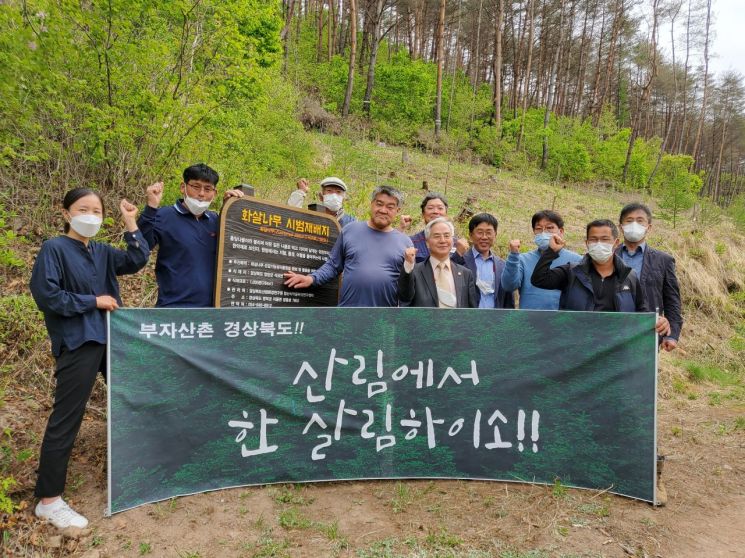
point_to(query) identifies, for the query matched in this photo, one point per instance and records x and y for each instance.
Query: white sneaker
(59, 514)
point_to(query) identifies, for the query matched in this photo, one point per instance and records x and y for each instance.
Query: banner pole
(107, 511)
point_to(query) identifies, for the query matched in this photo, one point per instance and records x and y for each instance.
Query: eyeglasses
(484, 234)
(200, 188)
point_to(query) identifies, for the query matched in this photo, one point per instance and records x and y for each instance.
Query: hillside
(701, 423)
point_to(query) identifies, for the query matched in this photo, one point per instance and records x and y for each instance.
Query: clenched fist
(514, 246)
(154, 194)
(556, 243)
(129, 213)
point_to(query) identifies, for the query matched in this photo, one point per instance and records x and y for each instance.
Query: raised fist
(556, 243)
(154, 194)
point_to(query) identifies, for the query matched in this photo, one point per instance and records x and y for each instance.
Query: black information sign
(259, 241)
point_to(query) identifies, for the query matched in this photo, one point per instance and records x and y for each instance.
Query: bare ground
(705, 516)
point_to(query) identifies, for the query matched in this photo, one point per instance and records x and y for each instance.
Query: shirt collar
(183, 210)
(434, 261)
(477, 254)
(642, 247)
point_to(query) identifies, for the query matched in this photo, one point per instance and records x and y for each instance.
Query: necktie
(445, 291)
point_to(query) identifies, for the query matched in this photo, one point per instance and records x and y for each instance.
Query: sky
(727, 50)
(729, 43)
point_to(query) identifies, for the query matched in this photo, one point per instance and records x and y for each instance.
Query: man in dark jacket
(438, 281)
(600, 282)
(655, 269)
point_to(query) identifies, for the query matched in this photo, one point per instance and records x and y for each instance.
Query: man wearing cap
(333, 193)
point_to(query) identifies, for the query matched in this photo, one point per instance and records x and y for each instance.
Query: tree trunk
(704, 100)
(284, 34)
(375, 31)
(551, 83)
(644, 97)
(352, 56)
(440, 57)
(498, 65)
(529, 22)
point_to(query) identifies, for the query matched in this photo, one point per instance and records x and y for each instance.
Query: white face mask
(333, 201)
(196, 206)
(634, 232)
(486, 287)
(86, 225)
(600, 251)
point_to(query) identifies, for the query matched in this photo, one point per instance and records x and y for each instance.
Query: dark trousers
(76, 373)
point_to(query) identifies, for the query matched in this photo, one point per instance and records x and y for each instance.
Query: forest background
(509, 107)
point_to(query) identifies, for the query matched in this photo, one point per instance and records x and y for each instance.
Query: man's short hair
(202, 172)
(631, 207)
(388, 191)
(552, 216)
(602, 223)
(428, 226)
(479, 218)
(433, 196)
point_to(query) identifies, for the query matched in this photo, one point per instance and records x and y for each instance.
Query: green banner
(202, 399)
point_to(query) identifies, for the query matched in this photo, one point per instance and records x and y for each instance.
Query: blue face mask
(541, 240)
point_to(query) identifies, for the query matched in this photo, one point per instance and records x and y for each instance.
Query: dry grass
(698, 419)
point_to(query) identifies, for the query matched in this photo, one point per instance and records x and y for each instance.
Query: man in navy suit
(437, 281)
(655, 269)
(485, 265)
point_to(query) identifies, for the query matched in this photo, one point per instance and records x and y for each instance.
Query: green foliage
(8, 255)
(737, 211)
(6, 503)
(676, 188)
(292, 519)
(133, 90)
(21, 324)
(709, 373)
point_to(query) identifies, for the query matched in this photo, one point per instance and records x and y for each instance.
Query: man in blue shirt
(484, 264)
(369, 253)
(186, 234)
(519, 267)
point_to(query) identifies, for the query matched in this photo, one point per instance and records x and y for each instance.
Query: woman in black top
(74, 284)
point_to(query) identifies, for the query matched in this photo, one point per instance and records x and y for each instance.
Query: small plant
(739, 424)
(676, 431)
(293, 519)
(97, 540)
(291, 494)
(442, 539)
(266, 547)
(6, 504)
(558, 490)
(402, 497)
(145, 548)
(598, 510)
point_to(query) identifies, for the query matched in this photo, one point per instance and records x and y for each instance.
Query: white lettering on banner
(435, 426)
(206, 330)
